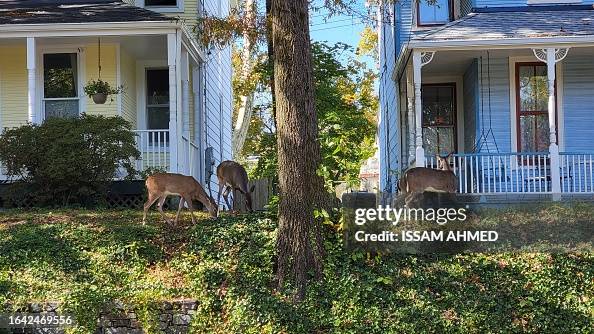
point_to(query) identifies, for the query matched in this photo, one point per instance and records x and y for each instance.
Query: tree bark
(270, 47)
(299, 243)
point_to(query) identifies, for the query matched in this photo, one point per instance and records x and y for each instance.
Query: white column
(198, 121)
(185, 126)
(172, 61)
(553, 148)
(419, 151)
(32, 82)
(410, 96)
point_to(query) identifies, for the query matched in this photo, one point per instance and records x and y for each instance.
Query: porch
(42, 75)
(519, 119)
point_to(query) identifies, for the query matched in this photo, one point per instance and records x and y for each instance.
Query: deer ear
(252, 188)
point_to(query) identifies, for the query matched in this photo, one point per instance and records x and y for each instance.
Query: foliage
(368, 44)
(67, 160)
(101, 87)
(85, 258)
(345, 105)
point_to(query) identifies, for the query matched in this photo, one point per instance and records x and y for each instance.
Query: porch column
(172, 61)
(552, 56)
(185, 80)
(31, 77)
(410, 96)
(196, 79)
(420, 59)
(553, 148)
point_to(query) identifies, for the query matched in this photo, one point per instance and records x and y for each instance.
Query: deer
(232, 175)
(161, 185)
(420, 179)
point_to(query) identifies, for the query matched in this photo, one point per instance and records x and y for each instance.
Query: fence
(263, 192)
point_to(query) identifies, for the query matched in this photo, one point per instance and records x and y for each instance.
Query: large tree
(298, 237)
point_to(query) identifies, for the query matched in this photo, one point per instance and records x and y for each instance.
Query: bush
(67, 160)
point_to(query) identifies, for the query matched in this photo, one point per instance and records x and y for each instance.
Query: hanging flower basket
(99, 90)
(99, 98)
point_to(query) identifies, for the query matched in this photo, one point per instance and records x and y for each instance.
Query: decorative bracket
(541, 54)
(426, 57)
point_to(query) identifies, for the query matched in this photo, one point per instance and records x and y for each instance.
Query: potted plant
(99, 90)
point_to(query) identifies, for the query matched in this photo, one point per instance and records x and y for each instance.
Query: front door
(157, 100)
(439, 118)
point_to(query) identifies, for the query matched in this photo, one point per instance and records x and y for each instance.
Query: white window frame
(179, 8)
(512, 101)
(80, 63)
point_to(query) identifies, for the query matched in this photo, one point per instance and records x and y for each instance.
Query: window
(532, 107)
(157, 99)
(60, 85)
(436, 13)
(439, 118)
(161, 3)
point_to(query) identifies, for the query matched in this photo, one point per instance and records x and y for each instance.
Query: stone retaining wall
(174, 318)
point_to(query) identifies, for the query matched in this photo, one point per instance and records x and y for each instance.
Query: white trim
(118, 78)
(555, 2)
(141, 67)
(88, 29)
(512, 101)
(459, 81)
(504, 43)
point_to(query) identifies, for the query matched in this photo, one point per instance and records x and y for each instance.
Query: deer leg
(191, 208)
(160, 207)
(151, 200)
(226, 198)
(181, 205)
(221, 186)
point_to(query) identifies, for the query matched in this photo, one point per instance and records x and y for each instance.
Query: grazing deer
(161, 185)
(420, 179)
(232, 175)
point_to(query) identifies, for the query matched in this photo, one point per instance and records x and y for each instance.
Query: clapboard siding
(128, 77)
(218, 99)
(388, 117)
(494, 103)
(13, 86)
(578, 103)
(471, 103)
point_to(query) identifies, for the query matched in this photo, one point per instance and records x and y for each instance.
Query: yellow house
(176, 94)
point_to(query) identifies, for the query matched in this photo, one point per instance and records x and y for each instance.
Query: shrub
(67, 160)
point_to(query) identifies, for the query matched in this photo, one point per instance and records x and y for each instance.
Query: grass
(86, 259)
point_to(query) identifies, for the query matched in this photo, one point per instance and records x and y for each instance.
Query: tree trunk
(299, 243)
(244, 114)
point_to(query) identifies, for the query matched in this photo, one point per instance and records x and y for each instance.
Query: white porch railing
(190, 158)
(500, 173)
(154, 147)
(577, 173)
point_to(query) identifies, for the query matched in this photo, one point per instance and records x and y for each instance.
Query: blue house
(506, 85)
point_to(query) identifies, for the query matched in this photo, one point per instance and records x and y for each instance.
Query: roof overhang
(88, 29)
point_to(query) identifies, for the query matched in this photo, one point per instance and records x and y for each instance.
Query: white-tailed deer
(420, 179)
(161, 185)
(232, 175)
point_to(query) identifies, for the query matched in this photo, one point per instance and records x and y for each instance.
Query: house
(508, 86)
(177, 93)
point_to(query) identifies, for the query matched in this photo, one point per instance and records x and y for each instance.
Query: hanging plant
(99, 90)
